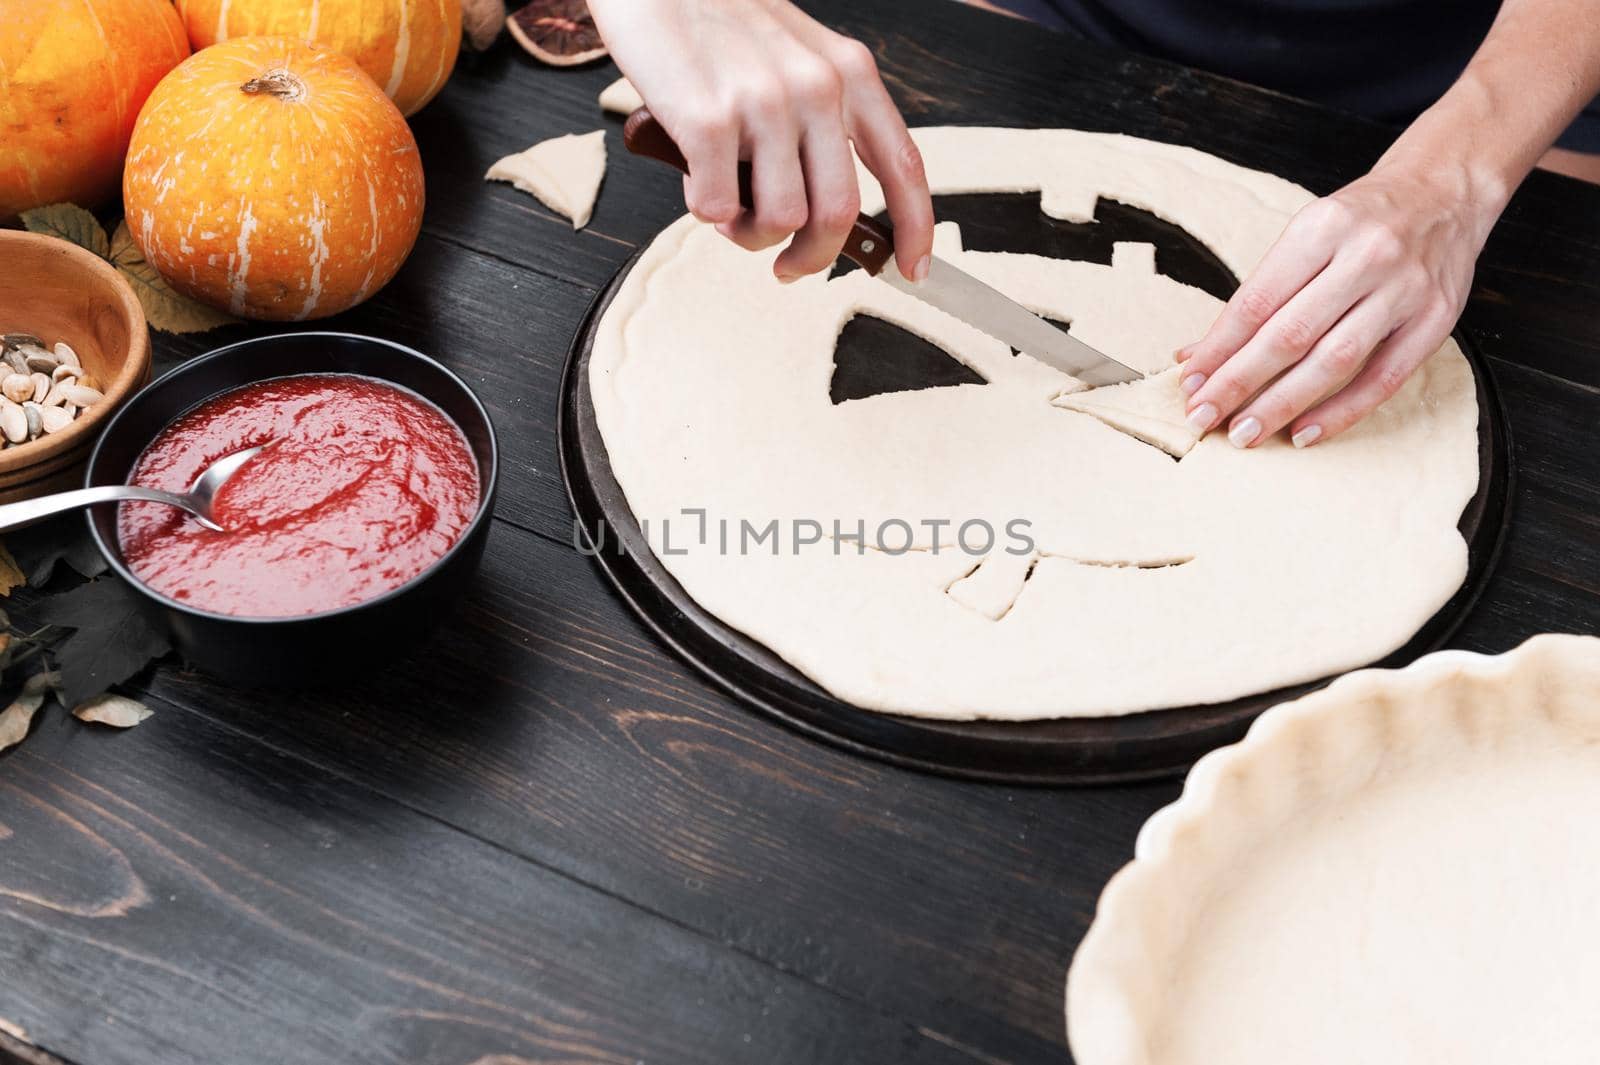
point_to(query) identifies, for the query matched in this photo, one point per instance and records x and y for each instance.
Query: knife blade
(963, 296)
(949, 288)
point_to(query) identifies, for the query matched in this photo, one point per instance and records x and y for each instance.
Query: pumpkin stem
(277, 82)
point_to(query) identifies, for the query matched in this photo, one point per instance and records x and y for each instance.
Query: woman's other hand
(1360, 289)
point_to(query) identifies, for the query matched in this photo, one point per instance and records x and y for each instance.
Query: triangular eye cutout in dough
(873, 357)
(1150, 410)
(564, 173)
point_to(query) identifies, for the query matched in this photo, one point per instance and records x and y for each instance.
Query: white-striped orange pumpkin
(73, 74)
(408, 46)
(271, 178)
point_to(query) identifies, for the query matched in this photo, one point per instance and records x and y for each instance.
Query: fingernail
(919, 273)
(1203, 417)
(1181, 355)
(1307, 436)
(1192, 383)
(1244, 432)
(787, 279)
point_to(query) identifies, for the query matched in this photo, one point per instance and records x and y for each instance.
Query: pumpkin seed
(13, 423)
(41, 389)
(54, 419)
(78, 395)
(17, 387)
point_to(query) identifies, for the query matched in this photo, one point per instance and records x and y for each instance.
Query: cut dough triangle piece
(992, 587)
(563, 172)
(620, 96)
(1150, 410)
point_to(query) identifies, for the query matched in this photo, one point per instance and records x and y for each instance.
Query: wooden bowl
(58, 291)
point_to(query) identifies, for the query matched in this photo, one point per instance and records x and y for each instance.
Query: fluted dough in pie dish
(1401, 868)
(1150, 581)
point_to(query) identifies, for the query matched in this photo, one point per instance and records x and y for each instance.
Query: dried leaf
(118, 711)
(15, 719)
(71, 223)
(164, 307)
(113, 638)
(11, 575)
(123, 249)
(64, 538)
(41, 683)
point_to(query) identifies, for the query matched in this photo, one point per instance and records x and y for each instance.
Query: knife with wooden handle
(871, 246)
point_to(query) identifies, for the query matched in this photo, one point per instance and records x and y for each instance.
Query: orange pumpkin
(73, 75)
(408, 46)
(273, 179)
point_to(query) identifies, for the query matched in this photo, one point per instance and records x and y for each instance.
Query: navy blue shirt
(1386, 59)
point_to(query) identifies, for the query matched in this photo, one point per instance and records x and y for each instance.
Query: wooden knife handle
(870, 243)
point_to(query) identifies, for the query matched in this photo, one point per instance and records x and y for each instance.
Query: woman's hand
(760, 80)
(1359, 290)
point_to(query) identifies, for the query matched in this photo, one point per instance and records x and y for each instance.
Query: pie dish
(1402, 867)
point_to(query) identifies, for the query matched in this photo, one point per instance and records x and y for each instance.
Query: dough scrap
(621, 97)
(564, 173)
(994, 584)
(1151, 410)
(710, 383)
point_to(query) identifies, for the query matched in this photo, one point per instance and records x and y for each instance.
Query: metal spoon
(197, 500)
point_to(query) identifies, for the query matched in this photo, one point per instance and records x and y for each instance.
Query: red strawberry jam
(361, 487)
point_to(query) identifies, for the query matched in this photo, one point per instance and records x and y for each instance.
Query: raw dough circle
(1153, 582)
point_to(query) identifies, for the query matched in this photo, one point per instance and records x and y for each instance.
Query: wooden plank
(17, 1051)
(1555, 427)
(1533, 302)
(183, 894)
(546, 722)
(503, 102)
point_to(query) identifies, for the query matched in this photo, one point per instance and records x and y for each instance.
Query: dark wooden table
(540, 837)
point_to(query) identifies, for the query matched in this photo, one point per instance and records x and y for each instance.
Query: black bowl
(314, 647)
